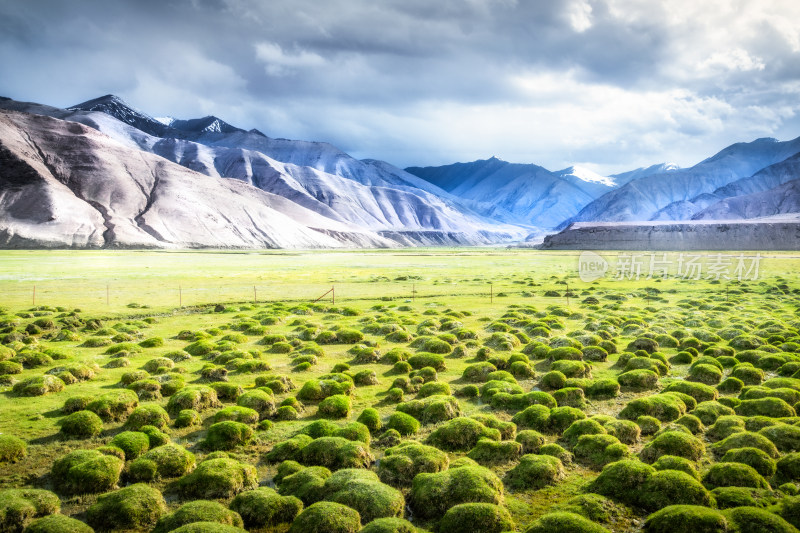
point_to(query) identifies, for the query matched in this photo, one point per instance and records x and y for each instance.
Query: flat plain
(519, 379)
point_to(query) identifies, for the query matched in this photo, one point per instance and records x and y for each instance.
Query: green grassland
(472, 306)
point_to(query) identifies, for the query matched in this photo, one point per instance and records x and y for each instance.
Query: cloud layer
(610, 84)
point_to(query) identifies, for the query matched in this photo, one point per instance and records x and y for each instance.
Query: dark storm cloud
(614, 83)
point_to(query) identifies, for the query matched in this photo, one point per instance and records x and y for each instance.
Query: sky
(608, 84)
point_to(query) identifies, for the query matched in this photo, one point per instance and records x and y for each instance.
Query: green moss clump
(597, 451)
(461, 434)
(477, 518)
(531, 441)
(771, 407)
(335, 453)
(695, 518)
(218, 478)
(237, 413)
(389, 525)
(699, 391)
(114, 406)
(755, 520)
(638, 380)
(38, 386)
(197, 397)
(626, 431)
(57, 523)
(709, 411)
(433, 494)
(622, 480)
(586, 426)
(433, 360)
(86, 471)
(198, 511)
(564, 522)
(562, 417)
(535, 472)
(433, 409)
(335, 406)
(134, 507)
(733, 475)
(674, 443)
(18, 507)
(665, 407)
(169, 460)
(758, 459)
(672, 487)
(188, 418)
(371, 498)
(263, 507)
(329, 517)
(745, 439)
(371, 419)
(478, 372)
(148, 415)
(260, 401)
(306, 484)
(403, 462)
(488, 451)
(12, 449)
(320, 428)
(785, 437)
(288, 449)
(133, 443)
(227, 435)
(81, 425)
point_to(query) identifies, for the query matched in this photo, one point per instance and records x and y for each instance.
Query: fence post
(333, 296)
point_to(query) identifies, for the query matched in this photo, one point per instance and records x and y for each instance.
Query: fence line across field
(163, 296)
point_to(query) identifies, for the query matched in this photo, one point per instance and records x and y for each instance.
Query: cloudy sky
(609, 84)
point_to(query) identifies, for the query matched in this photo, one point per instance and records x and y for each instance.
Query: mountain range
(103, 174)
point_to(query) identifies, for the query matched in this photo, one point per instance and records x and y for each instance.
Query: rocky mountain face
(65, 184)
(679, 194)
(369, 196)
(515, 193)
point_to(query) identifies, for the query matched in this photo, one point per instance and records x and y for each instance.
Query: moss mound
(389, 525)
(622, 480)
(134, 507)
(675, 443)
(198, 397)
(58, 523)
(218, 478)
(433, 494)
(671, 462)
(665, 407)
(745, 439)
(335, 453)
(535, 472)
(18, 507)
(263, 507)
(12, 449)
(114, 406)
(771, 407)
(371, 498)
(477, 518)
(733, 475)
(227, 435)
(169, 460)
(327, 517)
(755, 520)
(599, 450)
(370, 418)
(403, 462)
(693, 518)
(488, 451)
(133, 443)
(86, 471)
(306, 484)
(38, 386)
(208, 527)
(335, 406)
(461, 434)
(758, 459)
(564, 522)
(198, 511)
(672, 487)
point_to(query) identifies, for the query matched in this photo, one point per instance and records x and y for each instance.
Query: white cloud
(580, 16)
(280, 63)
(736, 60)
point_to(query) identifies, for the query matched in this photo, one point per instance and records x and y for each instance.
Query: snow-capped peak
(584, 174)
(167, 121)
